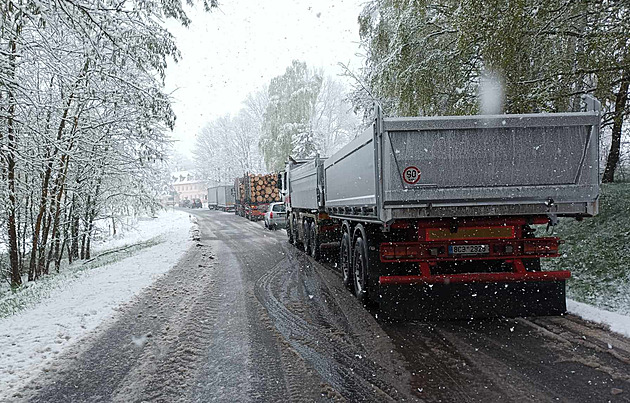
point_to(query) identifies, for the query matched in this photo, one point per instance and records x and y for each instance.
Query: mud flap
(460, 301)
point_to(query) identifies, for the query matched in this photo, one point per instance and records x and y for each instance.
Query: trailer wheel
(360, 271)
(296, 234)
(290, 232)
(307, 240)
(314, 244)
(345, 261)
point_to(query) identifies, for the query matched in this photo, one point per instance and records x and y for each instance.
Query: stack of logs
(264, 188)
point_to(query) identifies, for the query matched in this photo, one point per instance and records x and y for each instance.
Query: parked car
(275, 216)
(184, 203)
(196, 203)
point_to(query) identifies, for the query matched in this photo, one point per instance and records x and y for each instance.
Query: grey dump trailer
(225, 197)
(433, 216)
(212, 197)
(308, 225)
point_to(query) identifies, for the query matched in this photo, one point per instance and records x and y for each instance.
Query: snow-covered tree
(227, 147)
(307, 114)
(83, 120)
(333, 120)
(286, 128)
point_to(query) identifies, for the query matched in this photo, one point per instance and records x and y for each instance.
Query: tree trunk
(16, 277)
(41, 266)
(56, 251)
(86, 220)
(89, 241)
(23, 228)
(59, 254)
(83, 239)
(73, 252)
(60, 185)
(615, 145)
(35, 264)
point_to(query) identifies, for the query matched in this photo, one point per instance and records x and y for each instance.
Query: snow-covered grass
(597, 251)
(13, 301)
(65, 307)
(136, 234)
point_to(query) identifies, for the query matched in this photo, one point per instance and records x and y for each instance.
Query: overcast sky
(238, 48)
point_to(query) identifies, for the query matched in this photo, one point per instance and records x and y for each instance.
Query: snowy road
(246, 317)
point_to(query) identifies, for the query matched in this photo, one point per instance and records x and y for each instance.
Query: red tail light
(387, 252)
(271, 215)
(541, 247)
(393, 252)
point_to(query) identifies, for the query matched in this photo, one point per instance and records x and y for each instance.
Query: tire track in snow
(168, 368)
(345, 366)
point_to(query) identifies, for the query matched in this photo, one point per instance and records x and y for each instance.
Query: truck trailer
(308, 224)
(225, 197)
(434, 216)
(212, 197)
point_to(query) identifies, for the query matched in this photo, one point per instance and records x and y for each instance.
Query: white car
(275, 216)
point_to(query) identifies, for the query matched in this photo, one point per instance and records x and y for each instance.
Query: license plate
(468, 249)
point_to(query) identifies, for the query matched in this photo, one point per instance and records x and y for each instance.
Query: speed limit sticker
(411, 175)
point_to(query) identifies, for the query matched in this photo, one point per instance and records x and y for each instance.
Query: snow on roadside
(616, 322)
(31, 339)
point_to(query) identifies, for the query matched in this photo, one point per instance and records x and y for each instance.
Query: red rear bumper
(477, 278)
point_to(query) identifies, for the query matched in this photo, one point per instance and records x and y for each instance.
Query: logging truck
(436, 216)
(254, 193)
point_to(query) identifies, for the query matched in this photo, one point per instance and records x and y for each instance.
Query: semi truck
(213, 197)
(225, 197)
(254, 192)
(437, 216)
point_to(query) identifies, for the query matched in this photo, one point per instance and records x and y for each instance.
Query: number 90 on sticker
(411, 175)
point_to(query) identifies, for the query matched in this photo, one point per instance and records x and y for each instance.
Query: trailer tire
(314, 243)
(359, 270)
(290, 232)
(307, 241)
(345, 262)
(296, 233)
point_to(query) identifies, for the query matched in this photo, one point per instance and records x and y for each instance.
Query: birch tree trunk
(615, 145)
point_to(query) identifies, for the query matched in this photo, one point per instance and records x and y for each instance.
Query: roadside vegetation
(15, 300)
(83, 125)
(597, 252)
